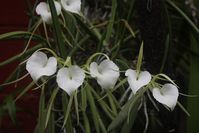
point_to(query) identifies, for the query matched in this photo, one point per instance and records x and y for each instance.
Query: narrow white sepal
(39, 65)
(167, 95)
(70, 78)
(106, 73)
(73, 6)
(136, 83)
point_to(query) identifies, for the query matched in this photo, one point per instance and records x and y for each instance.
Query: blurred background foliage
(169, 30)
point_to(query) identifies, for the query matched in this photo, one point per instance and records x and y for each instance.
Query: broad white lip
(39, 65)
(136, 83)
(106, 73)
(43, 10)
(167, 95)
(73, 6)
(70, 78)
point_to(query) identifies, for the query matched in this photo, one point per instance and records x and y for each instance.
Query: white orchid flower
(106, 73)
(43, 10)
(73, 6)
(70, 78)
(167, 95)
(135, 82)
(39, 65)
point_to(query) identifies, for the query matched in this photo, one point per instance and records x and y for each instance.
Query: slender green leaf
(83, 99)
(21, 35)
(65, 102)
(94, 111)
(26, 89)
(104, 106)
(86, 123)
(102, 126)
(11, 107)
(18, 56)
(51, 123)
(139, 62)
(183, 109)
(68, 109)
(121, 117)
(76, 107)
(50, 105)
(193, 103)
(112, 19)
(127, 126)
(120, 84)
(95, 36)
(15, 81)
(111, 101)
(42, 111)
(125, 113)
(57, 30)
(183, 15)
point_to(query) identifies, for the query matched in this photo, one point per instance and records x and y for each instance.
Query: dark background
(13, 17)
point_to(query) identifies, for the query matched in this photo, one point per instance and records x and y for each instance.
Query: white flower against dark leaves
(106, 73)
(70, 78)
(73, 6)
(39, 65)
(136, 83)
(167, 95)
(43, 10)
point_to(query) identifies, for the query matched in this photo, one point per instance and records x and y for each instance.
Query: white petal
(94, 69)
(39, 65)
(108, 81)
(108, 65)
(46, 18)
(73, 6)
(135, 84)
(107, 73)
(167, 95)
(57, 7)
(35, 63)
(43, 10)
(77, 74)
(50, 67)
(69, 79)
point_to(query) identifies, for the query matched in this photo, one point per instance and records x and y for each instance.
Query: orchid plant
(84, 65)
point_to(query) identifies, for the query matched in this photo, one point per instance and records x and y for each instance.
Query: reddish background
(13, 17)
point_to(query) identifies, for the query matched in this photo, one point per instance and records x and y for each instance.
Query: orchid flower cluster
(85, 54)
(106, 73)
